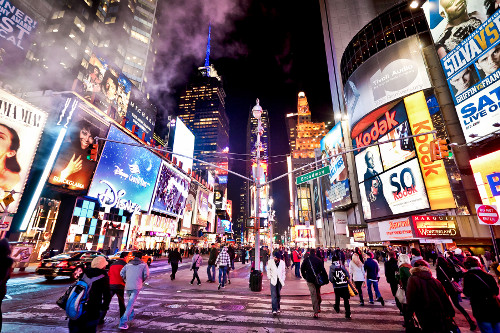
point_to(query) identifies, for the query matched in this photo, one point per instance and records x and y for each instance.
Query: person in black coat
(339, 277)
(482, 290)
(173, 259)
(391, 268)
(310, 266)
(6, 263)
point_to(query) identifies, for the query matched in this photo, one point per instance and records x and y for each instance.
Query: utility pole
(257, 112)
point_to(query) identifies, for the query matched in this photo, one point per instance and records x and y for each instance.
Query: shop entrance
(112, 241)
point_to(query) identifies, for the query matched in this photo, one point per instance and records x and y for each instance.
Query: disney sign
(113, 198)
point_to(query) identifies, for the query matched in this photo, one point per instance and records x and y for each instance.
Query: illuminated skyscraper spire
(207, 56)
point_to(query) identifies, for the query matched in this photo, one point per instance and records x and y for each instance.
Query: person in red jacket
(116, 283)
(296, 256)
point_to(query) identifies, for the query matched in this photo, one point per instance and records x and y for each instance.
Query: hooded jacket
(223, 258)
(338, 276)
(99, 294)
(275, 273)
(134, 274)
(197, 260)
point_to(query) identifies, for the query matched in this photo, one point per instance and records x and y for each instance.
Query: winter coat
(197, 261)
(99, 294)
(391, 267)
(223, 258)
(404, 274)
(115, 279)
(296, 256)
(484, 306)
(231, 253)
(312, 262)
(276, 272)
(213, 256)
(427, 298)
(357, 272)
(264, 255)
(371, 269)
(174, 257)
(134, 274)
(445, 273)
(338, 276)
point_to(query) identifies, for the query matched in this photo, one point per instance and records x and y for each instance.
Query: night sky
(280, 52)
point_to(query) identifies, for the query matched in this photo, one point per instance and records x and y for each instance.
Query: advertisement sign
(140, 112)
(190, 205)
(396, 71)
(435, 227)
(486, 170)
(338, 192)
(487, 214)
(72, 170)
(126, 175)
(340, 220)
(434, 173)
(368, 163)
(304, 234)
(218, 198)
(227, 226)
(21, 125)
(467, 39)
(171, 191)
(398, 190)
(317, 200)
(397, 152)
(183, 144)
(202, 207)
(359, 235)
(399, 229)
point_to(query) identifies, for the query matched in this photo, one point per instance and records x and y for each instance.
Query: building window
(53, 28)
(79, 24)
(139, 37)
(58, 15)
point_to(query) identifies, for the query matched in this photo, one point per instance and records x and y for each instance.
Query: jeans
(211, 272)
(359, 286)
(276, 296)
(129, 312)
(369, 284)
(195, 275)
(297, 269)
(487, 327)
(222, 275)
(232, 264)
(315, 296)
(121, 301)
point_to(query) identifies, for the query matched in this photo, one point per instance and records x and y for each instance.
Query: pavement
(177, 306)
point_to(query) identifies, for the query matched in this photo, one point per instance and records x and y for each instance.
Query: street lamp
(257, 112)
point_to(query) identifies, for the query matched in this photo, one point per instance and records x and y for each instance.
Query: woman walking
(276, 275)
(195, 266)
(357, 275)
(339, 277)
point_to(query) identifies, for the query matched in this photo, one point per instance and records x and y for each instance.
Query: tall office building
(291, 129)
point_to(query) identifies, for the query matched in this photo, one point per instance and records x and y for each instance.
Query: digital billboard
(171, 191)
(227, 226)
(435, 226)
(486, 170)
(467, 40)
(396, 71)
(183, 144)
(126, 175)
(21, 125)
(339, 191)
(141, 113)
(398, 229)
(72, 170)
(202, 208)
(190, 208)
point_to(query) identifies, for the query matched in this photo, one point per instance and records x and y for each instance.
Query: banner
(340, 220)
(399, 229)
(171, 191)
(435, 227)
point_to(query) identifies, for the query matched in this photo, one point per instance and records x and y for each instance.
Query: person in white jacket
(357, 272)
(276, 275)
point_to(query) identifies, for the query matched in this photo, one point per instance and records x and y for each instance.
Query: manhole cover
(232, 307)
(173, 306)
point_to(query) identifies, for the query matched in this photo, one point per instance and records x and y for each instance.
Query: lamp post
(270, 222)
(257, 112)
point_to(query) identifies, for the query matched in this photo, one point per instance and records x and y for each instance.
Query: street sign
(487, 214)
(313, 175)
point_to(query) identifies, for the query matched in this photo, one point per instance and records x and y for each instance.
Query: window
(73, 35)
(53, 28)
(139, 37)
(79, 24)
(58, 15)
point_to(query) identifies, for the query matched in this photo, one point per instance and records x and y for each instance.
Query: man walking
(310, 267)
(264, 257)
(116, 283)
(276, 275)
(372, 277)
(134, 274)
(223, 261)
(173, 259)
(211, 264)
(296, 255)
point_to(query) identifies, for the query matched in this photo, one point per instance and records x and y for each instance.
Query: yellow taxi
(130, 255)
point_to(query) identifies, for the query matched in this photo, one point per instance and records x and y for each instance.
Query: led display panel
(171, 191)
(183, 144)
(396, 152)
(486, 170)
(202, 208)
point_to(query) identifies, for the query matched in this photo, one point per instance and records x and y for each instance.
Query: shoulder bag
(320, 280)
(401, 294)
(458, 289)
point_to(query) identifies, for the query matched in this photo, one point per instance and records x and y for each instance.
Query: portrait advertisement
(72, 170)
(172, 191)
(21, 126)
(396, 152)
(368, 163)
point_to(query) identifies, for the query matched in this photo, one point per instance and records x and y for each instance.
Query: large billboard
(126, 175)
(394, 72)
(467, 40)
(171, 191)
(398, 229)
(202, 208)
(21, 125)
(190, 208)
(72, 170)
(486, 170)
(339, 192)
(183, 144)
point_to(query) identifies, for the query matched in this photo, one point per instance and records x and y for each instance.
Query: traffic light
(444, 148)
(92, 152)
(434, 151)
(439, 149)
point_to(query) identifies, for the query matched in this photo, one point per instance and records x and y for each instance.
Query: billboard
(190, 205)
(202, 208)
(21, 125)
(339, 192)
(72, 170)
(467, 39)
(141, 113)
(394, 72)
(227, 225)
(486, 170)
(126, 175)
(171, 191)
(398, 229)
(183, 144)
(435, 227)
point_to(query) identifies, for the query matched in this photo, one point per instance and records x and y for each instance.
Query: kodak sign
(434, 173)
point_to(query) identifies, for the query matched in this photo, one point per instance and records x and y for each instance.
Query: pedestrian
(276, 275)
(357, 271)
(264, 257)
(286, 257)
(243, 255)
(173, 259)
(312, 266)
(404, 266)
(134, 274)
(339, 277)
(296, 256)
(415, 255)
(446, 274)
(372, 277)
(99, 297)
(223, 261)
(195, 266)
(116, 283)
(459, 256)
(232, 255)
(482, 290)
(391, 269)
(427, 298)
(211, 264)
(6, 263)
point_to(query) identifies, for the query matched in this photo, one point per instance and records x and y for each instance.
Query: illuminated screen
(227, 225)
(126, 175)
(202, 207)
(469, 49)
(183, 144)
(486, 170)
(171, 191)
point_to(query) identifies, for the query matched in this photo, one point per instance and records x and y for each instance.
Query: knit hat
(99, 262)
(458, 251)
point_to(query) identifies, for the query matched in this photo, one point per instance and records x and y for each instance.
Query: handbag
(320, 280)
(458, 288)
(61, 302)
(401, 295)
(352, 290)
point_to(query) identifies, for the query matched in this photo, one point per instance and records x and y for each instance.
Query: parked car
(130, 255)
(69, 264)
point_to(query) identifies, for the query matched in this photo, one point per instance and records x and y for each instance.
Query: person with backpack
(195, 266)
(339, 277)
(173, 259)
(312, 267)
(116, 283)
(134, 274)
(89, 298)
(6, 263)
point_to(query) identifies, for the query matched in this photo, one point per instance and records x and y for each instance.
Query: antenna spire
(207, 57)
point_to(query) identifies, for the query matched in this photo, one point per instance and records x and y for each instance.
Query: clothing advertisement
(21, 125)
(171, 191)
(398, 229)
(142, 113)
(125, 177)
(72, 170)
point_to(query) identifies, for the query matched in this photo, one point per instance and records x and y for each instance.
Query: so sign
(487, 214)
